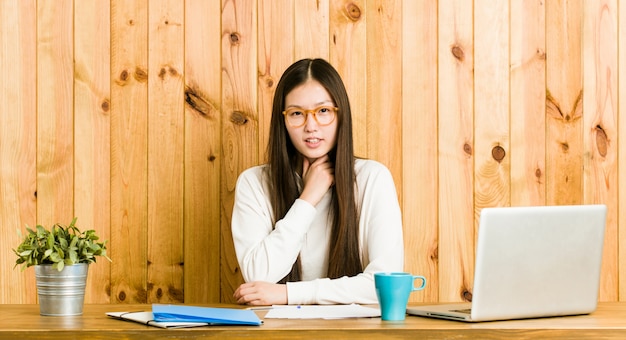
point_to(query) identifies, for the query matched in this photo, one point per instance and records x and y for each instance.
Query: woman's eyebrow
(317, 104)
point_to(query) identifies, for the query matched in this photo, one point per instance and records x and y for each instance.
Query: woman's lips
(313, 142)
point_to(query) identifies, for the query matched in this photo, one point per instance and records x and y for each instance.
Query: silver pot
(61, 293)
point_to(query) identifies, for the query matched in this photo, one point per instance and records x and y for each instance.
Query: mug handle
(423, 282)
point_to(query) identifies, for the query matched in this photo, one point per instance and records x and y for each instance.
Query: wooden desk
(24, 322)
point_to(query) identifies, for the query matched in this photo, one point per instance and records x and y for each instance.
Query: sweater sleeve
(264, 254)
(380, 230)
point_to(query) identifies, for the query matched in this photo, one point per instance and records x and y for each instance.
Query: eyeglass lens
(324, 115)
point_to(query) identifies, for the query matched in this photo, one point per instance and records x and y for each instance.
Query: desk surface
(24, 322)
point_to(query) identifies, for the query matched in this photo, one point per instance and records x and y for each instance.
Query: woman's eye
(296, 113)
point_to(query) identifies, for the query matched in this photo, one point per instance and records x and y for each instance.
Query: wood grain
(55, 103)
(419, 138)
(455, 151)
(202, 152)
(165, 151)
(18, 138)
(348, 54)
(564, 102)
(275, 54)
(384, 86)
(528, 109)
(492, 160)
(138, 118)
(600, 116)
(129, 150)
(92, 128)
(240, 147)
(621, 160)
(24, 322)
(310, 28)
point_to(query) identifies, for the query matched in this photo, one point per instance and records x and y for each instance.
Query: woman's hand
(318, 177)
(261, 293)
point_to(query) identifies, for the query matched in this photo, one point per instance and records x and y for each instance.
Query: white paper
(322, 312)
(147, 318)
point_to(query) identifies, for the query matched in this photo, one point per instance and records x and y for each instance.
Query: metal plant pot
(61, 293)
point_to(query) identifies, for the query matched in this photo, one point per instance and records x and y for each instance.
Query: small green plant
(59, 246)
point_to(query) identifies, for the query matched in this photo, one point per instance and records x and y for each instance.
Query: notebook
(213, 316)
(180, 316)
(532, 262)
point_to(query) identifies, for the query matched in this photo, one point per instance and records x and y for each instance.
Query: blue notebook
(210, 315)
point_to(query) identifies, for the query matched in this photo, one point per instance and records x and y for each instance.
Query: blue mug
(393, 290)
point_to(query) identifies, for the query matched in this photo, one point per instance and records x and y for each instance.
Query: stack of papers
(147, 318)
(322, 312)
(177, 316)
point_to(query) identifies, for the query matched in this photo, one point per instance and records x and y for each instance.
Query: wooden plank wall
(137, 117)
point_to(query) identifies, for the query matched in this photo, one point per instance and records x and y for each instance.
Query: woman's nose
(310, 124)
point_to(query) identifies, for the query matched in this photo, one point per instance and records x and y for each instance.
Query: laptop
(532, 262)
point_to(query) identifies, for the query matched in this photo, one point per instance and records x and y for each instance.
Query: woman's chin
(311, 160)
(313, 157)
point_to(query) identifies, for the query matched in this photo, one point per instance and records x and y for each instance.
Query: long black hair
(284, 161)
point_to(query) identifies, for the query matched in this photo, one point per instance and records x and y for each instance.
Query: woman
(314, 224)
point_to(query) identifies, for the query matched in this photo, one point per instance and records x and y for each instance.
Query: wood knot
(458, 53)
(124, 76)
(538, 173)
(353, 11)
(238, 118)
(141, 74)
(106, 105)
(234, 38)
(564, 147)
(196, 102)
(434, 254)
(211, 158)
(121, 296)
(602, 141)
(498, 153)
(467, 296)
(467, 149)
(165, 70)
(159, 293)
(541, 54)
(175, 294)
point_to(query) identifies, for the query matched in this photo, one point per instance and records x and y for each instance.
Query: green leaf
(55, 257)
(74, 242)
(73, 257)
(26, 253)
(50, 237)
(47, 253)
(60, 245)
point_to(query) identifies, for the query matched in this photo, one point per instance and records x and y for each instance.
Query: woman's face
(312, 140)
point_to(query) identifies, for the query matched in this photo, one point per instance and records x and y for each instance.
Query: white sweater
(267, 254)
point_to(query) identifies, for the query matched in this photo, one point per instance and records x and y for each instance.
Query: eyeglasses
(323, 115)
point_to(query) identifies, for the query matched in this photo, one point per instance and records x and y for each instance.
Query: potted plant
(61, 256)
